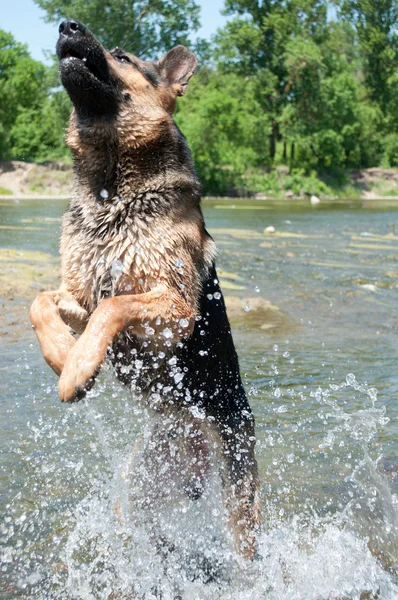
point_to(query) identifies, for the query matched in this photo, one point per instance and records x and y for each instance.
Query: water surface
(314, 313)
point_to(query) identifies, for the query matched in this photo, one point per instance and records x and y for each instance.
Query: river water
(314, 312)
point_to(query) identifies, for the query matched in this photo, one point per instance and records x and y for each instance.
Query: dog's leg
(242, 488)
(159, 309)
(50, 315)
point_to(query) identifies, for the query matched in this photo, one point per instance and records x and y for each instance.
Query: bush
(277, 183)
(38, 134)
(225, 128)
(390, 150)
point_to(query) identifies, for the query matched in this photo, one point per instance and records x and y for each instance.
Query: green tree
(226, 129)
(323, 116)
(255, 43)
(376, 24)
(33, 115)
(309, 71)
(143, 27)
(21, 86)
(38, 133)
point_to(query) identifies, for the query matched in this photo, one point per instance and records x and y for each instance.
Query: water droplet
(209, 296)
(217, 295)
(196, 411)
(104, 194)
(350, 379)
(167, 333)
(116, 273)
(247, 308)
(116, 269)
(178, 263)
(183, 323)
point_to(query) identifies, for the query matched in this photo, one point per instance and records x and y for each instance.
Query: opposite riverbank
(23, 180)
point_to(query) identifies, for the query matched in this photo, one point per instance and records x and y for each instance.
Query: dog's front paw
(78, 375)
(73, 315)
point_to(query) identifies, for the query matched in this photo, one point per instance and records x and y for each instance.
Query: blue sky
(24, 20)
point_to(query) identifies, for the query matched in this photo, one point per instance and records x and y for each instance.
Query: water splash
(86, 524)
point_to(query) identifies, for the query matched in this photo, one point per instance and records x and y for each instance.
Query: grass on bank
(4, 191)
(386, 188)
(297, 183)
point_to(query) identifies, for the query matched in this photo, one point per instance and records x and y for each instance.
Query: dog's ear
(177, 67)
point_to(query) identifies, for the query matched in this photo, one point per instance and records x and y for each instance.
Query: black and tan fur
(136, 201)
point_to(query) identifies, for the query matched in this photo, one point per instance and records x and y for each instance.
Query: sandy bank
(25, 181)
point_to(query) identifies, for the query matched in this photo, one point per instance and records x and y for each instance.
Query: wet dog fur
(139, 282)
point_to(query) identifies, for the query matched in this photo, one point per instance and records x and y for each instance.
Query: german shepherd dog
(139, 282)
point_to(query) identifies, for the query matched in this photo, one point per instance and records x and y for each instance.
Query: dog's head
(104, 84)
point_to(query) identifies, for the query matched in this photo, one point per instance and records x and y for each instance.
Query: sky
(25, 20)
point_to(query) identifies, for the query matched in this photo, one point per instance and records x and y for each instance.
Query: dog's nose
(70, 27)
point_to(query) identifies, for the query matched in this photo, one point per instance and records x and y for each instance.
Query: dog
(139, 282)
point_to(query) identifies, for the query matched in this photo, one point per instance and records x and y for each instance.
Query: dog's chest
(105, 254)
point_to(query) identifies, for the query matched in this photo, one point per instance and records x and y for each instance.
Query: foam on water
(87, 524)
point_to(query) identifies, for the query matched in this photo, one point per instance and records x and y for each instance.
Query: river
(312, 295)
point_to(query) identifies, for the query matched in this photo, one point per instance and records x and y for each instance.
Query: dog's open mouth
(84, 60)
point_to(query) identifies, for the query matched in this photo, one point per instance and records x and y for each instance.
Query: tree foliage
(143, 27)
(328, 77)
(226, 128)
(376, 23)
(32, 115)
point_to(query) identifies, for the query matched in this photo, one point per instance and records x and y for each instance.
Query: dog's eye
(122, 58)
